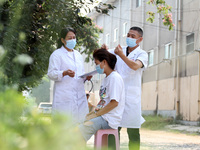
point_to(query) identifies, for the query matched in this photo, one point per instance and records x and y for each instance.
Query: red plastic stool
(101, 138)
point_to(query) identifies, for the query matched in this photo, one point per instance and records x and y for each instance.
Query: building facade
(171, 83)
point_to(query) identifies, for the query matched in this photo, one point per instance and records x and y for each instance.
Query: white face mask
(71, 43)
(131, 42)
(99, 70)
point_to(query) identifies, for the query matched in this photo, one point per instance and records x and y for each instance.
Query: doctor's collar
(65, 50)
(127, 51)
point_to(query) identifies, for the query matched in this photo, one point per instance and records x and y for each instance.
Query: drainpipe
(130, 9)
(178, 60)
(175, 52)
(143, 18)
(119, 29)
(199, 72)
(199, 86)
(111, 29)
(157, 57)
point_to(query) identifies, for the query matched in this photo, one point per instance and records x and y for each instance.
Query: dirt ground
(160, 140)
(163, 140)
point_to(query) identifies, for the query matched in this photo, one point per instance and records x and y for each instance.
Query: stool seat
(101, 138)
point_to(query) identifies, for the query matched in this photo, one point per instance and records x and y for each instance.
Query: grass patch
(156, 122)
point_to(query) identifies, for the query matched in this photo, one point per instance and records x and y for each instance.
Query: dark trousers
(133, 136)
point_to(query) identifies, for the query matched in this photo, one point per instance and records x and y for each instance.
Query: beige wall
(167, 96)
(149, 95)
(189, 98)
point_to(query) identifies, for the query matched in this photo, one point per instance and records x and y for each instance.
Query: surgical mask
(99, 70)
(71, 43)
(131, 42)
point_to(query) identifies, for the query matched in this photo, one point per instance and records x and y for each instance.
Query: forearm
(132, 64)
(107, 108)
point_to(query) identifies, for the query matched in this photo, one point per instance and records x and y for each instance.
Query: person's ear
(139, 40)
(105, 62)
(63, 41)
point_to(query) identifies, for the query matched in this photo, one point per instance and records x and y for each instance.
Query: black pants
(134, 139)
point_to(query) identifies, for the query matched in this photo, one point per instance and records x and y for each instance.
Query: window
(125, 29)
(115, 35)
(138, 3)
(190, 42)
(100, 42)
(107, 39)
(168, 51)
(150, 57)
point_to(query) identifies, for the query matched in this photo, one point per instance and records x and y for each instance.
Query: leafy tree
(29, 30)
(29, 33)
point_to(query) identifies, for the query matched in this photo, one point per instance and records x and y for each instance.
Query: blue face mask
(99, 70)
(131, 42)
(71, 43)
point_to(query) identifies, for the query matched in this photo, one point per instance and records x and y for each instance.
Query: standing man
(131, 62)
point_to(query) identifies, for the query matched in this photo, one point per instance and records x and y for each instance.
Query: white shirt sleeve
(112, 51)
(143, 57)
(54, 72)
(116, 88)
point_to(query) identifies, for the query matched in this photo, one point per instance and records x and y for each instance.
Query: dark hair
(138, 29)
(63, 34)
(102, 54)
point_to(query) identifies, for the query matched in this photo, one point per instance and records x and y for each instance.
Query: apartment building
(171, 83)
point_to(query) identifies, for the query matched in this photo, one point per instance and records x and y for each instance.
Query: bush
(32, 132)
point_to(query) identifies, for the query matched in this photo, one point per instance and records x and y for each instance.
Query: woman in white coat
(65, 67)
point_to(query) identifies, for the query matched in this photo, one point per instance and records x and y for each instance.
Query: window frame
(191, 43)
(125, 29)
(100, 41)
(169, 51)
(150, 52)
(107, 39)
(116, 34)
(138, 3)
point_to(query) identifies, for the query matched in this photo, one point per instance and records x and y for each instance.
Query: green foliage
(164, 10)
(32, 132)
(31, 28)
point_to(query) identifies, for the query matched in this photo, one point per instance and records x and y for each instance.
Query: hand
(92, 112)
(69, 73)
(118, 50)
(104, 46)
(96, 109)
(91, 116)
(88, 78)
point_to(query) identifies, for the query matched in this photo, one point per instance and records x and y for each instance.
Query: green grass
(156, 122)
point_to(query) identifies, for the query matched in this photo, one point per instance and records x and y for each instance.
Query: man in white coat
(131, 62)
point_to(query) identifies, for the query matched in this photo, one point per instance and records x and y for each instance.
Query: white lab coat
(69, 96)
(132, 117)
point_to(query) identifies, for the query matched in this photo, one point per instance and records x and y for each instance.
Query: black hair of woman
(102, 54)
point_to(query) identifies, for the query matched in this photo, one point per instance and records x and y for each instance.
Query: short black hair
(102, 54)
(138, 29)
